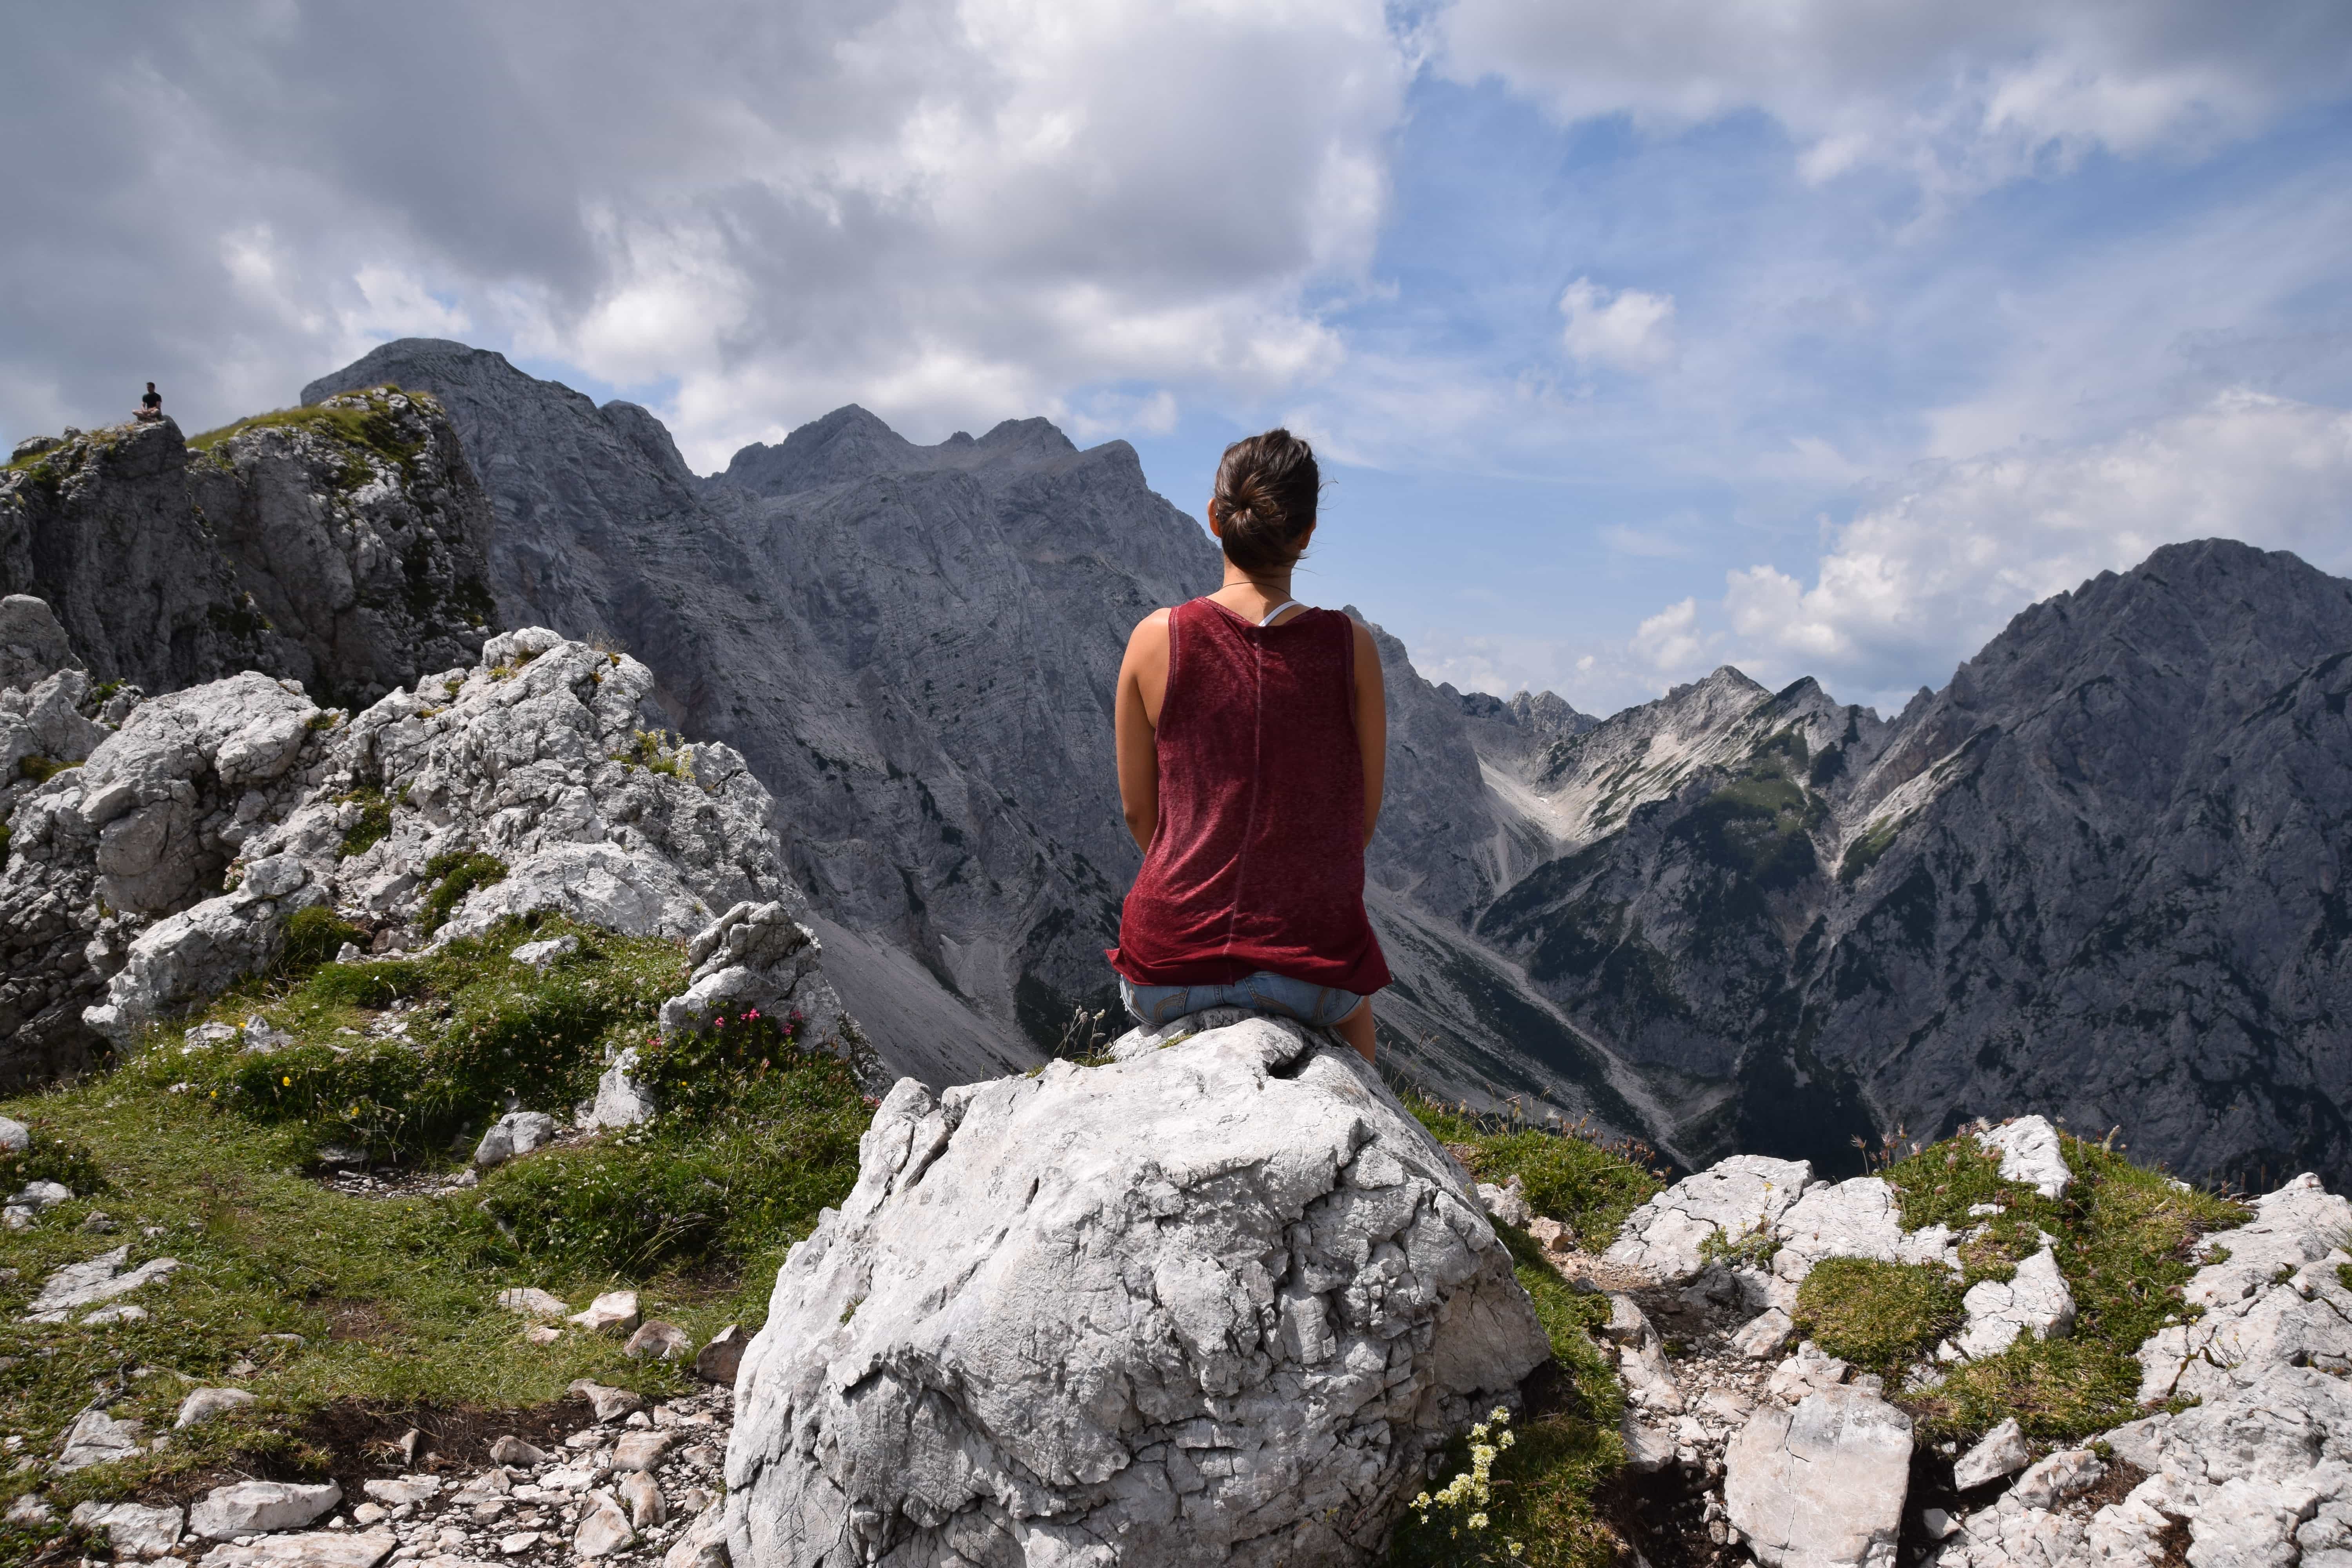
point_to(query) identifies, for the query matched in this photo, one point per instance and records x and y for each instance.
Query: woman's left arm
(1371, 727)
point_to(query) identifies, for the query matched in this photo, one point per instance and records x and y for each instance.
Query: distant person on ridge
(150, 408)
(1252, 738)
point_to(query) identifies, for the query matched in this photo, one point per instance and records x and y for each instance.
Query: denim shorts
(1317, 1006)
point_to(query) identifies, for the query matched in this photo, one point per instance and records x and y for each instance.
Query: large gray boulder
(1821, 1484)
(145, 828)
(1214, 1303)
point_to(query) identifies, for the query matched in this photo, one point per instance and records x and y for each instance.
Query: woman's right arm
(1143, 682)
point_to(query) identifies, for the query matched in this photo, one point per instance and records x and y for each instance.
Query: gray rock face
(1289, 1302)
(340, 546)
(133, 1529)
(2011, 878)
(2000, 1452)
(1823, 1483)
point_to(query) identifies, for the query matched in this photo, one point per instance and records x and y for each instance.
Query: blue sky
(1817, 337)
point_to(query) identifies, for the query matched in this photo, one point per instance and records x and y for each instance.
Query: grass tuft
(2126, 1238)
(454, 874)
(1882, 1317)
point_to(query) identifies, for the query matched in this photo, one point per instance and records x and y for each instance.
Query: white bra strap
(1277, 610)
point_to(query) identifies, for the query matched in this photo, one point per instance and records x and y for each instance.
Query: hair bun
(1267, 487)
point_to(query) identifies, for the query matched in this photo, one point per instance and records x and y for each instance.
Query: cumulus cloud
(1671, 640)
(953, 210)
(1961, 95)
(1628, 330)
(1920, 579)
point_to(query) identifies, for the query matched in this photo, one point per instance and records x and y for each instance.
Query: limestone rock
(204, 1404)
(660, 1342)
(33, 646)
(1822, 1483)
(1764, 1334)
(513, 1450)
(14, 1136)
(314, 1549)
(718, 1360)
(1275, 1252)
(1508, 1203)
(532, 759)
(533, 1302)
(400, 1489)
(2036, 1302)
(643, 1498)
(1744, 1196)
(513, 1135)
(640, 1450)
(540, 954)
(603, 1527)
(97, 1438)
(621, 1100)
(1856, 1218)
(133, 1529)
(1648, 1448)
(609, 1404)
(2030, 1154)
(2276, 1297)
(102, 1279)
(613, 1311)
(253, 1507)
(2000, 1452)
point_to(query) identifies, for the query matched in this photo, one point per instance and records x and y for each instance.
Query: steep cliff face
(2100, 871)
(340, 546)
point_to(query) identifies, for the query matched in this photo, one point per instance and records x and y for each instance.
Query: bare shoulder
(1368, 655)
(1152, 628)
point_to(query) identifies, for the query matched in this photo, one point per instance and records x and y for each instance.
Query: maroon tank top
(1258, 862)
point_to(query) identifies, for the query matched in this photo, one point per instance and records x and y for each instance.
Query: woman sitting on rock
(1252, 741)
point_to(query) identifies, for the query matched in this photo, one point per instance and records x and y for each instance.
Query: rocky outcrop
(340, 546)
(164, 868)
(144, 828)
(1217, 1302)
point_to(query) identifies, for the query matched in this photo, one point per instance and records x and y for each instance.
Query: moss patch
(1882, 1317)
(2126, 1238)
(373, 824)
(1588, 1185)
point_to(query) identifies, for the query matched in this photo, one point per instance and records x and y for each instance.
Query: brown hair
(1265, 499)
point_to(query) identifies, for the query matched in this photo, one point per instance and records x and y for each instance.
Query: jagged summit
(852, 443)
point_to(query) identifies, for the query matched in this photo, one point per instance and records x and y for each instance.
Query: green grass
(41, 770)
(392, 1298)
(479, 1028)
(1882, 1317)
(2126, 1244)
(373, 826)
(454, 874)
(1566, 1444)
(1588, 1186)
(372, 429)
(653, 750)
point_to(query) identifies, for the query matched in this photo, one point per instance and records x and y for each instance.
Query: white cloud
(1963, 96)
(953, 211)
(1920, 579)
(1671, 639)
(1628, 330)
